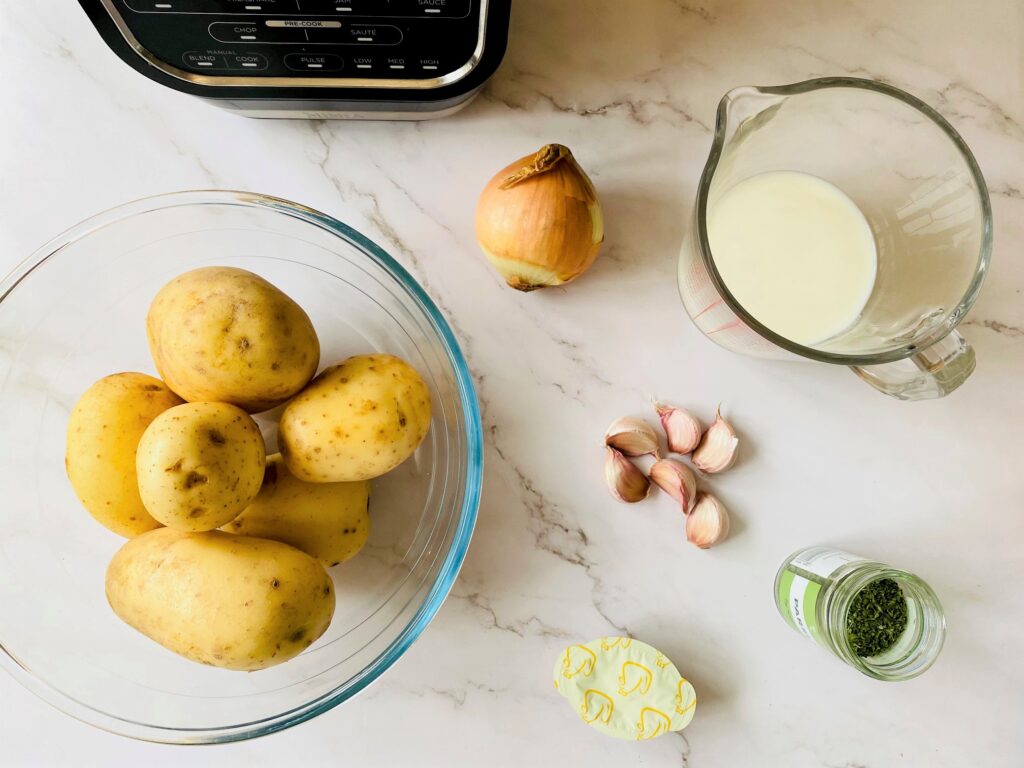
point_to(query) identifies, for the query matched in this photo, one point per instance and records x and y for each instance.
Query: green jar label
(824, 561)
(798, 599)
(798, 596)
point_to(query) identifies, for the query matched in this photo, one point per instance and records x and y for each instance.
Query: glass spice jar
(816, 592)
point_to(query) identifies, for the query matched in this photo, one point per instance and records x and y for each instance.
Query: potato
(355, 421)
(329, 521)
(199, 465)
(103, 435)
(226, 335)
(230, 601)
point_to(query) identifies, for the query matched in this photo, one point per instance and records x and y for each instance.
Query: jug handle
(931, 373)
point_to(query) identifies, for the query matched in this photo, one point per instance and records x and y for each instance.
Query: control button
(314, 62)
(430, 64)
(303, 24)
(252, 61)
(254, 32)
(258, 6)
(199, 60)
(358, 34)
(362, 63)
(213, 6)
(451, 9)
(396, 63)
(447, 8)
(168, 6)
(342, 6)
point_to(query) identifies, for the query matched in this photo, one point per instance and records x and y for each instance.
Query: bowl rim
(466, 520)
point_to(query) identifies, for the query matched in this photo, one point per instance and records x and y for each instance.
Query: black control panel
(358, 40)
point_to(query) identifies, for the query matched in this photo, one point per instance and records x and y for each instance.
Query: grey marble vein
(555, 533)
(692, 9)
(531, 625)
(514, 94)
(957, 94)
(1003, 329)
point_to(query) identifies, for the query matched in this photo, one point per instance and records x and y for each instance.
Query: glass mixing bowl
(74, 312)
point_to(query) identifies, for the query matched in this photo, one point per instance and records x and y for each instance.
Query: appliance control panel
(430, 41)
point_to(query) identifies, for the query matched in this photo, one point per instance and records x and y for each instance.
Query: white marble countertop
(632, 88)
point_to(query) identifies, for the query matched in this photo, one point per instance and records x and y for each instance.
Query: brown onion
(539, 220)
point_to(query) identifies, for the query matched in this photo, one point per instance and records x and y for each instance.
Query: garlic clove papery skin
(681, 427)
(708, 522)
(632, 437)
(718, 447)
(539, 221)
(625, 481)
(677, 480)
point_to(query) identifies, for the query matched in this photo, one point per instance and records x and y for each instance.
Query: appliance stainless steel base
(326, 111)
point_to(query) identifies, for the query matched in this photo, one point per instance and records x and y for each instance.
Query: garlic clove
(708, 522)
(718, 447)
(633, 437)
(625, 481)
(677, 480)
(682, 428)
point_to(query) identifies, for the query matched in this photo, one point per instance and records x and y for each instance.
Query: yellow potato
(199, 465)
(355, 421)
(329, 521)
(226, 335)
(230, 601)
(104, 430)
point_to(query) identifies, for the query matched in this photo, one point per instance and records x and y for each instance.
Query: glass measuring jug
(920, 191)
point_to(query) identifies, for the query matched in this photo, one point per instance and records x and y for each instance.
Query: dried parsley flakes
(877, 618)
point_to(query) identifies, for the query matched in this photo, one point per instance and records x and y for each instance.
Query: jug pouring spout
(742, 105)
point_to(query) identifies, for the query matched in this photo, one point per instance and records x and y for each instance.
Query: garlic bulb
(708, 522)
(625, 481)
(539, 220)
(718, 447)
(677, 480)
(633, 437)
(681, 428)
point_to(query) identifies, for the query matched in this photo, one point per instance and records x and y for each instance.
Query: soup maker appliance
(321, 59)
